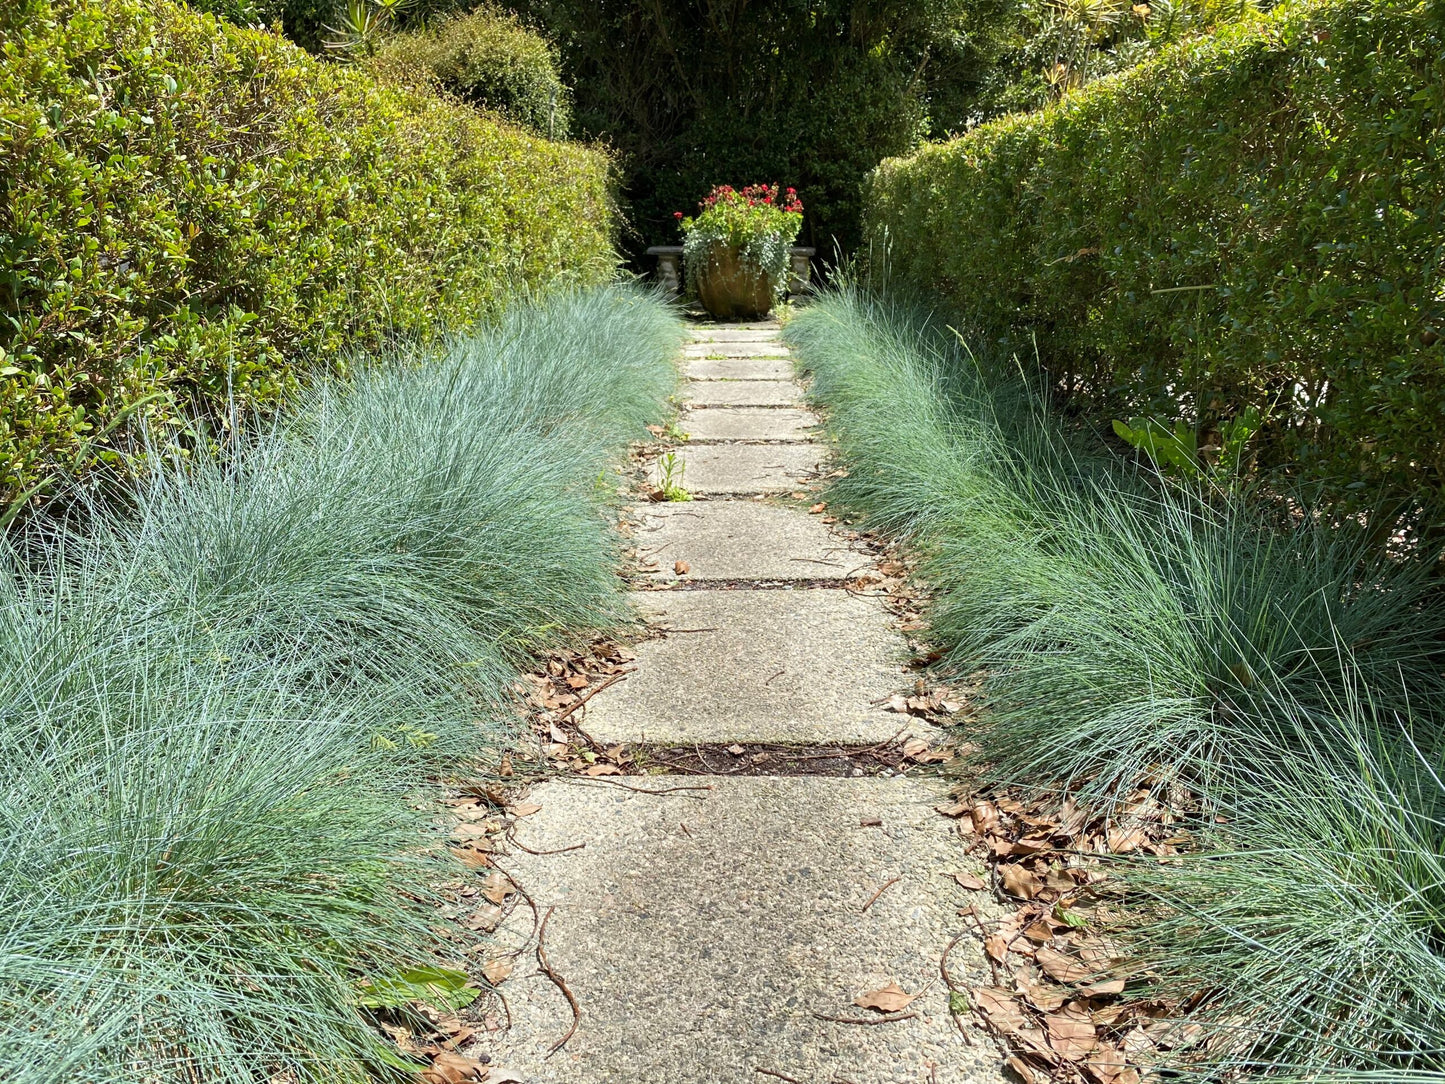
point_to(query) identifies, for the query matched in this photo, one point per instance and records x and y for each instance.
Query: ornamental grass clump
(1313, 915)
(1129, 626)
(217, 712)
(1123, 619)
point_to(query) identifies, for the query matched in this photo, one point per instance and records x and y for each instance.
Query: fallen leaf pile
(1058, 999)
(941, 705)
(553, 697)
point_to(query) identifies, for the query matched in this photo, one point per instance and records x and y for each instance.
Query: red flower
(676, 214)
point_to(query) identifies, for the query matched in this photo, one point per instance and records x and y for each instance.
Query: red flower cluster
(755, 195)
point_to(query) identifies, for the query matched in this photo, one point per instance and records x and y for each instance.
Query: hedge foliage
(488, 58)
(1253, 219)
(189, 212)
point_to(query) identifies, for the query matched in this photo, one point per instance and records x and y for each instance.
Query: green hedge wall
(1290, 169)
(191, 212)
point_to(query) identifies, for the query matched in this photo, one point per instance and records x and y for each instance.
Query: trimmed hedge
(1252, 219)
(488, 58)
(190, 212)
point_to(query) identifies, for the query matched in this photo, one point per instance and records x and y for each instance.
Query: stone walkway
(703, 929)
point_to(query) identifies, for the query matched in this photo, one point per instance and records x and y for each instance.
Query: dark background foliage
(797, 92)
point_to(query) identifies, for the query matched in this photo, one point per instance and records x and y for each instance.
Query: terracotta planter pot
(730, 290)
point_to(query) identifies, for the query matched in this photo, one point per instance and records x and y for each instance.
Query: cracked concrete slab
(746, 468)
(742, 393)
(803, 666)
(749, 423)
(740, 369)
(739, 540)
(701, 930)
(736, 350)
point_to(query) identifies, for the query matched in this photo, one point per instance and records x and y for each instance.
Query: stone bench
(669, 268)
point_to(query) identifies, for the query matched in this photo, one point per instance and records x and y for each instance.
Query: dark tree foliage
(811, 93)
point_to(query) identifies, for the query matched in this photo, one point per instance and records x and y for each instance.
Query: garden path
(712, 924)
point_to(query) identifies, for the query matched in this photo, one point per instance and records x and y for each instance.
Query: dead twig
(948, 982)
(992, 963)
(560, 850)
(874, 898)
(644, 790)
(590, 694)
(868, 1021)
(557, 979)
(774, 1072)
(521, 891)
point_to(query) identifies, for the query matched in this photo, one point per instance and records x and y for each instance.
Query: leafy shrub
(1248, 221)
(490, 59)
(241, 690)
(191, 210)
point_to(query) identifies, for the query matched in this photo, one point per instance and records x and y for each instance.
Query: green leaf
(440, 987)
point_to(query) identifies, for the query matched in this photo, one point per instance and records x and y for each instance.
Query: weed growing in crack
(670, 471)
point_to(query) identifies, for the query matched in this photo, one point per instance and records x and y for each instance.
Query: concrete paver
(700, 931)
(749, 423)
(800, 666)
(740, 540)
(747, 468)
(742, 393)
(740, 369)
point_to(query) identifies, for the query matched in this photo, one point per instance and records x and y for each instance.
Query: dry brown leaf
(524, 809)
(1001, 1008)
(968, 881)
(1102, 989)
(1059, 881)
(485, 917)
(951, 809)
(1122, 841)
(1023, 1070)
(818, 508)
(984, 816)
(1062, 968)
(914, 748)
(603, 769)
(577, 681)
(498, 886)
(1039, 932)
(682, 568)
(452, 1068)
(1046, 997)
(736, 750)
(470, 857)
(1018, 881)
(997, 947)
(871, 822)
(892, 998)
(497, 970)
(1071, 1033)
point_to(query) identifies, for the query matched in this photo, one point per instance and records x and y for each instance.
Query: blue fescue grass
(1132, 627)
(215, 710)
